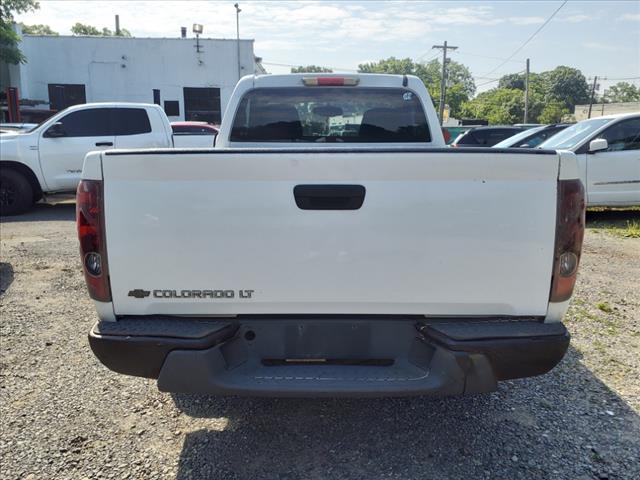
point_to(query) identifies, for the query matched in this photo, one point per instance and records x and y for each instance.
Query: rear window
(131, 121)
(330, 114)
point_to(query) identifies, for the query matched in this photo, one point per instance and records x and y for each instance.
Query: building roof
(113, 37)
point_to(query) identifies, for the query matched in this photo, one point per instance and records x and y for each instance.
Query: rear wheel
(16, 193)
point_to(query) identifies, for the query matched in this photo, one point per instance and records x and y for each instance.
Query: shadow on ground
(6, 276)
(566, 424)
(42, 212)
(612, 217)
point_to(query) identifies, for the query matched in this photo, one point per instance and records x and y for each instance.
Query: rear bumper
(348, 356)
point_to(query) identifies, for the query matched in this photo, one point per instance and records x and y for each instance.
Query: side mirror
(56, 130)
(598, 145)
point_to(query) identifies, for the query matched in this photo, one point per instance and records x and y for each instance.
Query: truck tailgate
(438, 232)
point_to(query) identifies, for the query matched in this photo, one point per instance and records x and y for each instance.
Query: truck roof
(83, 106)
(365, 79)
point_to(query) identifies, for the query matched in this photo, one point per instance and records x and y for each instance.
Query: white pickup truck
(48, 158)
(330, 245)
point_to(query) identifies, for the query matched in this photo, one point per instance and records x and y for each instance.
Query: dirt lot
(66, 416)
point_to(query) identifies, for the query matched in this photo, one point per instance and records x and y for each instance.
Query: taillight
(330, 81)
(569, 233)
(93, 249)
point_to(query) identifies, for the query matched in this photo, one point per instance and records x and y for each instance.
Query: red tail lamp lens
(569, 234)
(93, 251)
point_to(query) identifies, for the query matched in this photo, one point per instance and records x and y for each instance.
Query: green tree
(38, 29)
(567, 85)
(553, 112)
(457, 74)
(502, 106)
(311, 69)
(460, 84)
(82, 29)
(9, 39)
(398, 66)
(552, 94)
(513, 80)
(622, 92)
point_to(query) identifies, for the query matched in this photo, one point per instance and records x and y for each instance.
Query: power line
(428, 59)
(496, 79)
(529, 39)
(488, 56)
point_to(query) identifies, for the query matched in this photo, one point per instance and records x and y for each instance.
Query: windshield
(517, 138)
(574, 135)
(330, 114)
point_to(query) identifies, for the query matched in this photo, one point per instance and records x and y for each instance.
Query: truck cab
(329, 110)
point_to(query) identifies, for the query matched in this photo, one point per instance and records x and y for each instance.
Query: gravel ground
(66, 416)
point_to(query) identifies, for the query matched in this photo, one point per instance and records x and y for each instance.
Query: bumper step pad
(227, 356)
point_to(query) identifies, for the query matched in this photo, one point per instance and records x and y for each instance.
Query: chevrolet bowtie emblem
(138, 293)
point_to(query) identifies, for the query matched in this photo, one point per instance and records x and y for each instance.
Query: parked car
(48, 158)
(453, 132)
(608, 151)
(485, 136)
(193, 134)
(532, 137)
(306, 261)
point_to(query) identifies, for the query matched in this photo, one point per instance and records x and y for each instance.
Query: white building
(192, 79)
(581, 112)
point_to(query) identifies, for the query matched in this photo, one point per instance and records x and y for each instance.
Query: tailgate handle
(329, 197)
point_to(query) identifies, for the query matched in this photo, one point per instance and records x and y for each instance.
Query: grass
(630, 230)
(606, 324)
(624, 223)
(633, 229)
(604, 306)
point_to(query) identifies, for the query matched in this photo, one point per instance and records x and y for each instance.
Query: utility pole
(117, 25)
(593, 92)
(526, 94)
(443, 82)
(238, 36)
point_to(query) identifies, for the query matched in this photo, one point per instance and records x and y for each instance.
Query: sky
(598, 37)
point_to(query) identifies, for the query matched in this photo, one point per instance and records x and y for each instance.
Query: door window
(130, 121)
(623, 135)
(93, 122)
